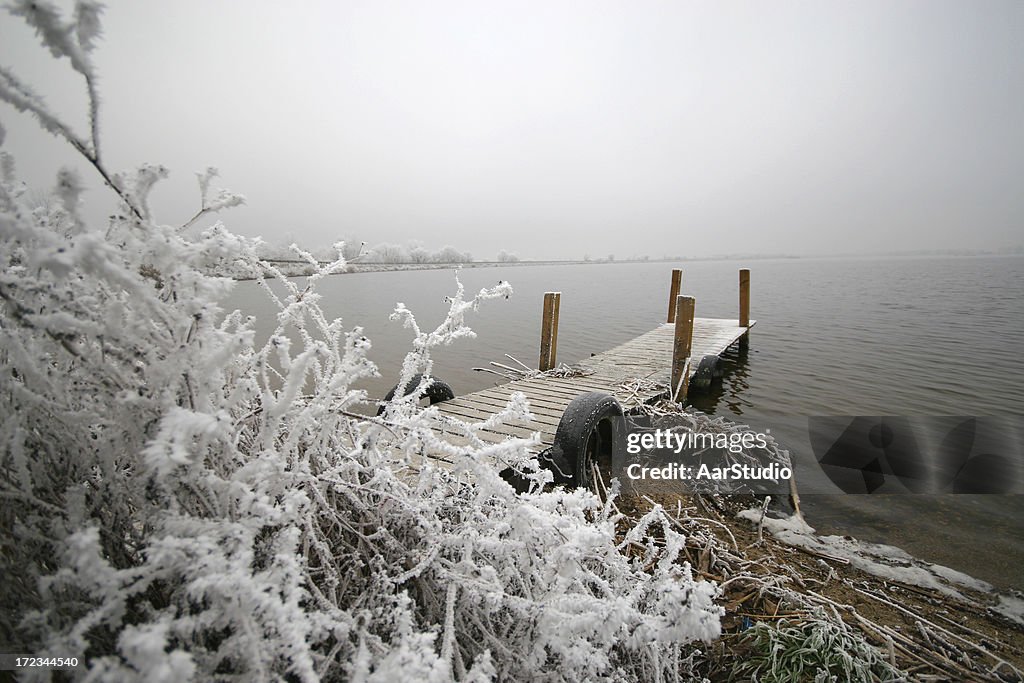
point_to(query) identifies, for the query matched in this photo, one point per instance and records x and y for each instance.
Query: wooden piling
(549, 331)
(744, 305)
(554, 328)
(744, 297)
(681, 346)
(673, 292)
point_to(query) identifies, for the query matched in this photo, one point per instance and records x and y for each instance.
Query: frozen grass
(813, 648)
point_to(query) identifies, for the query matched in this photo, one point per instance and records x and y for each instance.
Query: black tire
(437, 392)
(590, 430)
(709, 368)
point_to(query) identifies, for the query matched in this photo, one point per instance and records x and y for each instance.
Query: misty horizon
(553, 133)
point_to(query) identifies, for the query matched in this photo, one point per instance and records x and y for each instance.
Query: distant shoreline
(303, 268)
(297, 268)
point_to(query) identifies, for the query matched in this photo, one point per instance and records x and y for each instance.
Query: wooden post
(745, 305)
(549, 330)
(673, 292)
(681, 346)
(744, 297)
(554, 330)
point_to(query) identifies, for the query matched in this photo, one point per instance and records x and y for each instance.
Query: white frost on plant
(182, 503)
(24, 99)
(182, 433)
(145, 650)
(69, 192)
(88, 26)
(138, 185)
(225, 199)
(57, 35)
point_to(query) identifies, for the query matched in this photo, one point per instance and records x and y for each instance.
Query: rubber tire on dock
(709, 368)
(591, 428)
(437, 392)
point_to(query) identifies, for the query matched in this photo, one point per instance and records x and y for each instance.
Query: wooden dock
(673, 348)
(649, 357)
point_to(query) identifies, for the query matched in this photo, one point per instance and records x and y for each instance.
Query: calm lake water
(890, 336)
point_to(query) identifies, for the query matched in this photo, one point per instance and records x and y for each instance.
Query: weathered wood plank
(494, 405)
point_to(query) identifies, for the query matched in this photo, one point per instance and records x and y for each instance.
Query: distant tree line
(506, 257)
(385, 252)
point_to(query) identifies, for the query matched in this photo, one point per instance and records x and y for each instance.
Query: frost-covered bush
(449, 254)
(181, 503)
(507, 257)
(388, 253)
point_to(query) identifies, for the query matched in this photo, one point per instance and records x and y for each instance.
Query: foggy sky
(558, 129)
